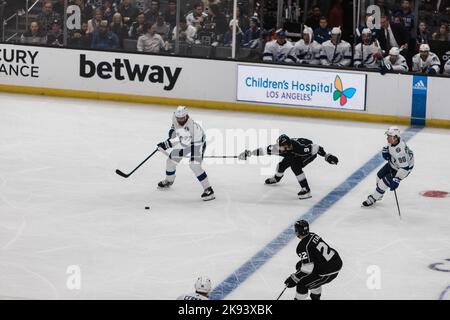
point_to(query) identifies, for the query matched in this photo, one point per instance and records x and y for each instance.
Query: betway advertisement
(115, 72)
(300, 87)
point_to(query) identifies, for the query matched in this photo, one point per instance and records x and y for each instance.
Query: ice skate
(208, 194)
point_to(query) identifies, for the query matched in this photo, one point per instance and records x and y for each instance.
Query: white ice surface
(61, 204)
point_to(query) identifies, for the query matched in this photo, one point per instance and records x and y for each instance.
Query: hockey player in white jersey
(400, 164)
(336, 52)
(426, 61)
(447, 68)
(279, 50)
(368, 53)
(307, 50)
(395, 61)
(202, 290)
(187, 138)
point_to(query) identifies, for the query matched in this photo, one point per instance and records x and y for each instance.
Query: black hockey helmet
(301, 228)
(284, 140)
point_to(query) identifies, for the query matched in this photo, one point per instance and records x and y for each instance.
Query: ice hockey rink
(63, 208)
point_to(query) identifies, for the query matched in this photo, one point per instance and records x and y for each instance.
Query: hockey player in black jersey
(319, 264)
(297, 153)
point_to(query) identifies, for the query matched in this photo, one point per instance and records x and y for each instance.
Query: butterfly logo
(339, 93)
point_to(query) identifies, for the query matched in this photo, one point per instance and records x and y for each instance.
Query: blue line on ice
(233, 281)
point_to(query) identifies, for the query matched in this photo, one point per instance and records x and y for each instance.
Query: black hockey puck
(146, 208)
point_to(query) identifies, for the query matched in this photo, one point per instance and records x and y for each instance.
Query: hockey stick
(220, 156)
(396, 199)
(120, 173)
(282, 293)
(398, 207)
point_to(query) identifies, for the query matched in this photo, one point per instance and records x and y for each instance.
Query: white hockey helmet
(394, 51)
(309, 31)
(203, 285)
(181, 112)
(336, 30)
(393, 131)
(366, 31)
(424, 47)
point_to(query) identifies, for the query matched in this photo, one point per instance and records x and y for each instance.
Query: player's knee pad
(175, 156)
(383, 183)
(171, 165)
(297, 169)
(196, 168)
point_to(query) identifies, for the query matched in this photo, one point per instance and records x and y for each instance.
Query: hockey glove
(394, 183)
(378, 55)
(432, 71)
(331, 159)
(171, 133)
(165, 145)
(291, 281)
(244, 155)
(385, 154)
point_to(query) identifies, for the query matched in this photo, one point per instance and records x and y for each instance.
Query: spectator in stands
(152, 13)
(55, 36)
(150, 42)
(161, 27)
(406, 15)
(243, 20)
(447, 68)
(322, 33)
(119, 28)
(253, 33)
(428, 13)
(187, 32)
(33, 35)
(384, 9)
(392, 35)
(336, 14)
(314, 20)
(216, 22)
(170, 16)
(86, 11)
(80, 38)
(108, 11)
(228, 38)
(47, 16)
(197, 17)
(426, 61)
(259, 45)
(104, 39)
(279, 50)
(336, 52)
(58, 7)
(128, 11)
(138, 27)
(423, 35)
(95, 21)
(442, 34)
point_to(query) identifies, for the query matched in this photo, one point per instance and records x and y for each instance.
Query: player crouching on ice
(192, 142)
(296, 153)
(400, 163)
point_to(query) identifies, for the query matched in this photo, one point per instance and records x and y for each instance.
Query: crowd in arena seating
(325, 38)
